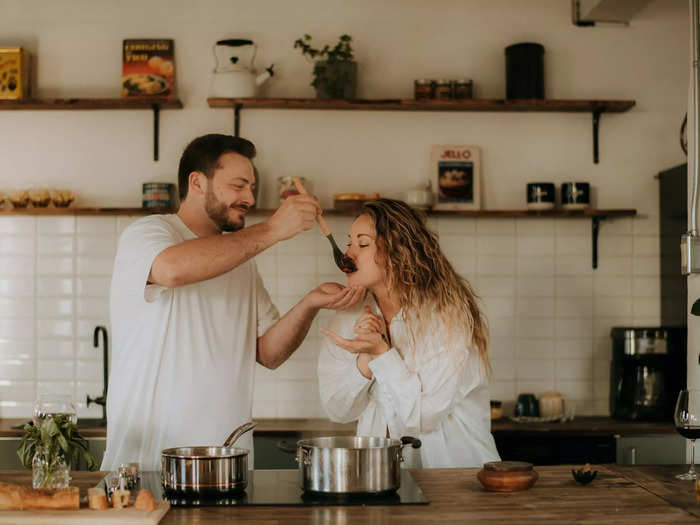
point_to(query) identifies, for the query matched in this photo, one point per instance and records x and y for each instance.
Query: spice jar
(286, 187)
(422, 88)
(443, 90)
(462, 88)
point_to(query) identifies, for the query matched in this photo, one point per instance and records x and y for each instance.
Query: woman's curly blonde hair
(422, 277)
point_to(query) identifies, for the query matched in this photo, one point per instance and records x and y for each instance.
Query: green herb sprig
(58, 438)
(341, 52)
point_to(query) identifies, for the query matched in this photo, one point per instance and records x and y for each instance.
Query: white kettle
(235, 76)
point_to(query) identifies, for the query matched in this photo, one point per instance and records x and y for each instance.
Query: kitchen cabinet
(650, 450)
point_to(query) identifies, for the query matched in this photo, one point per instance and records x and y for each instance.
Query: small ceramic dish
(584, 475)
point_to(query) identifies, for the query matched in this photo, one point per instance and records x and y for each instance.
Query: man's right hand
(296, 214)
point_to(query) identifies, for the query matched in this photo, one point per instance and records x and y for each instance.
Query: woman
(411, 358)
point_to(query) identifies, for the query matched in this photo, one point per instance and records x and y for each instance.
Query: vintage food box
(148, 68)
(14, 73)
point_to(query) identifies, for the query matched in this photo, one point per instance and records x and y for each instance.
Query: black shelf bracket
(596, 125)
(595, 225)
(237, 120)
(156, 130)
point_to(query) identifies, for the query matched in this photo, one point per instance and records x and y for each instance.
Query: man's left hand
(334, 296)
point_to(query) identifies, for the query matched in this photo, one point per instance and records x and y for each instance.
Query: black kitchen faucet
(102, 400)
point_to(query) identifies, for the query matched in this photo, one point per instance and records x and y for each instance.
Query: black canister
(575, 195)
(525, 71)
(540, 195)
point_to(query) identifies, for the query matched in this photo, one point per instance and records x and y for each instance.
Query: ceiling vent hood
(587, 13)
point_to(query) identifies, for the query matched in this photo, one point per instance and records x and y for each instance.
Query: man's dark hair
(202, 154)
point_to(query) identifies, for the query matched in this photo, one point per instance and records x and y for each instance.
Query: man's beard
(218, 212)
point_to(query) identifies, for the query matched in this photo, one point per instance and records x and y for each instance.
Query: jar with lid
(423, 88)
(462, 88)
(443, 90)
(286, 188)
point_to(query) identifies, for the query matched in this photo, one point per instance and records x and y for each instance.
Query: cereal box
(14, 73)
(148, 69)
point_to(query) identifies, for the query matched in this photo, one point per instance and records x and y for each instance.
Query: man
(190, 314)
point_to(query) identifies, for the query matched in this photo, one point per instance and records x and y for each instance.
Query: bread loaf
(18, 497)
(145, 500)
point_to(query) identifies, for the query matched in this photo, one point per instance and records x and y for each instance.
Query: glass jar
(462, 89)
(47, 474)
(443, 90)
(423, 88)
(49, 404)
(286, 188)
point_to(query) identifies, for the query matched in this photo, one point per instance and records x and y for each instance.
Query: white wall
(105, 156)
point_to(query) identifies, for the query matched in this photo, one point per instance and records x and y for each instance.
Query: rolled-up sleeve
(420, 398)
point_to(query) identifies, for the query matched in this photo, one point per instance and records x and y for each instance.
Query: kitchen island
(619, 495)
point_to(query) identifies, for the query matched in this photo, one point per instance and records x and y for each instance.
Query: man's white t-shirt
(182, 369)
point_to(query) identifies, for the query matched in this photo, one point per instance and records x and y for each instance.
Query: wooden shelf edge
(330, 212)
(89, 103)
(608, 106)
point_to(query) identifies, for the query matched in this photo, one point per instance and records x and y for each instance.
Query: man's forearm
(201, 259)
(284, 337)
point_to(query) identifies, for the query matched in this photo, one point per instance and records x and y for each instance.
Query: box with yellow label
(14, 73)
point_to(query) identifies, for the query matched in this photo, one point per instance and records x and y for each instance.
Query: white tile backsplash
(53, 244)
(549, 312)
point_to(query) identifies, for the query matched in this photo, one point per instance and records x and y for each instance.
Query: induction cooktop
(282, 487)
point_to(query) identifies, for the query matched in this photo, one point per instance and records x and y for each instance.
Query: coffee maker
(644, 373)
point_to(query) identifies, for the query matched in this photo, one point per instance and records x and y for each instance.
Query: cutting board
(128, 516)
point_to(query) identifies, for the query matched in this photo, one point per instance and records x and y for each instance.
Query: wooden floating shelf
(595, 215)
(90, 103)
(153, 103)
(595, 107)
(580, 106)
(51, 210)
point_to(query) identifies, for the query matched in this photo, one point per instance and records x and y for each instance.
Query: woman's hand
(369, 336)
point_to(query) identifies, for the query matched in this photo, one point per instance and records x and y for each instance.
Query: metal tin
(158, 195)
(423, 88)
(14, 73)
(639, 341)
(443, 90)
(351, 464)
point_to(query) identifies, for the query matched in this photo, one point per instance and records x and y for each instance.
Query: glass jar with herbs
(50, 449)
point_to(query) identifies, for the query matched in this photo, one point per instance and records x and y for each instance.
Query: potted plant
(335, 71)
(49, 450)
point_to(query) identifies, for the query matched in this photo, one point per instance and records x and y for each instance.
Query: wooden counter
(579, 426)
(619, 495)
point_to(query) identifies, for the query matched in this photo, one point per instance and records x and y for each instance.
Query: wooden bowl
(507, 476)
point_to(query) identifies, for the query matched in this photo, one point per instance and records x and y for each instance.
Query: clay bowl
(507, 476)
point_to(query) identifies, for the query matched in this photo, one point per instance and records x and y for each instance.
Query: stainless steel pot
(351, 464)
(206, 471)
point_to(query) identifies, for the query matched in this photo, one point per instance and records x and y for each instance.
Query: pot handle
(408, 440)
(284, 447)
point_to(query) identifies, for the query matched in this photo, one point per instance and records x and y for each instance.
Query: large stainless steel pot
(206, 471)
(351, 464)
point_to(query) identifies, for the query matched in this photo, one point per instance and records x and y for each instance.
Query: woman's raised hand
(368, 323)
(369, 336)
